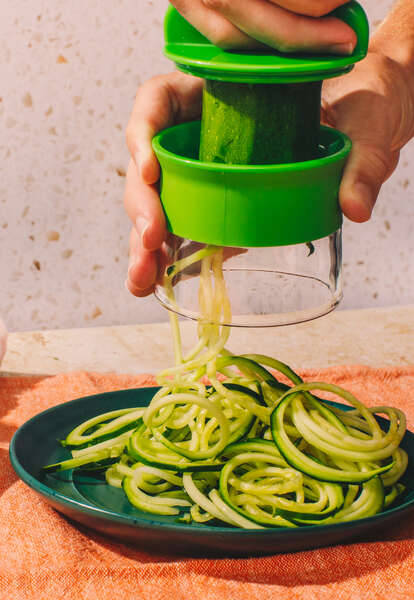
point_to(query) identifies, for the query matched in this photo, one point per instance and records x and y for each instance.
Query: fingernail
(141, 225)
(344, 49)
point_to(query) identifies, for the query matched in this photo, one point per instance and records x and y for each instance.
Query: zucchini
(306, 463)
(259, 513)
(251, 445)
(393, 493)
(93, 462)
(151, 452)
(369, 502)
(247, 366)
(245, 390)
(103, 427)
(317, 403)
(151, 504)
(259, 123)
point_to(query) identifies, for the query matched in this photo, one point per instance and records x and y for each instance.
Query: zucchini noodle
(223, 441)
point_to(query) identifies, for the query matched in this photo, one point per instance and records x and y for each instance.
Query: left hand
(162, 101)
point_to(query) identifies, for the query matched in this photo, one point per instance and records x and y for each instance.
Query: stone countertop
(376, 337)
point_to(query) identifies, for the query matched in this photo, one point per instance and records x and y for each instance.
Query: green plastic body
(193, 53)
(249, 205)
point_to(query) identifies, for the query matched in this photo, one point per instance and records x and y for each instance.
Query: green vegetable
(260, 123)
(103, 427)
(142, 447)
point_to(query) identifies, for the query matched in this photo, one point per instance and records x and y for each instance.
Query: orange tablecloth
(44, 557)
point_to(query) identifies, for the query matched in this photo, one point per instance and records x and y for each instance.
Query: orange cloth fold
(43, 556)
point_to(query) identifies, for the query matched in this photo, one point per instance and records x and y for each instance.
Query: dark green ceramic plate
(88, 500)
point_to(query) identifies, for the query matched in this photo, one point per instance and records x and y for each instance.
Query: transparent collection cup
(266, 286)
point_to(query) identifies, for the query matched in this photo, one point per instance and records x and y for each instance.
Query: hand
(286, 25)
(374, 106)
(161, 102)
(3, 340)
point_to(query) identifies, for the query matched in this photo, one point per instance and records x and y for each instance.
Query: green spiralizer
(257, 175)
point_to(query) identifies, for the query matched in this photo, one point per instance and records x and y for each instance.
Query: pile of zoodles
(224, 441)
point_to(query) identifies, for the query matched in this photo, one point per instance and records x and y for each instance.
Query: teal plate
(90, 501)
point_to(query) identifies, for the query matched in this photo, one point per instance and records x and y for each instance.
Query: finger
(368, 166)
(316, 8)
(159, 103)
(163, 259)
(135, 291)
(219, 30)
(284, 30)
(142, 268)
(143, 206)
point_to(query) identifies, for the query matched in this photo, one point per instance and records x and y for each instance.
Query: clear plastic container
(266, 286)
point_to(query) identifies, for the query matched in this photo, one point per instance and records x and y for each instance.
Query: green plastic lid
(193, 53)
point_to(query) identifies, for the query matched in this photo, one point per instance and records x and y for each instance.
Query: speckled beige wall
(68, 75)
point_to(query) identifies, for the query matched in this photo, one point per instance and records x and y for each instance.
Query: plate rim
(139, 523)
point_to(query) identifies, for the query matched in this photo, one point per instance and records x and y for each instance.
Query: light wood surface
(376, 337)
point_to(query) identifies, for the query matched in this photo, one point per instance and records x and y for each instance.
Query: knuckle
(180, 5)
(214, 4)
(378, 159)
(149, 85)
(285, 46)
(223, 37)
(150, 89)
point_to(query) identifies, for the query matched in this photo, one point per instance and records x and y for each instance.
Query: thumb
(368, 166)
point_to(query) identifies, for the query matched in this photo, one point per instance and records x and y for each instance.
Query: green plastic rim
(249, 205)
(192, 53)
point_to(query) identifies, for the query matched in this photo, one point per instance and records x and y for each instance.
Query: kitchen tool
(282, 220)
